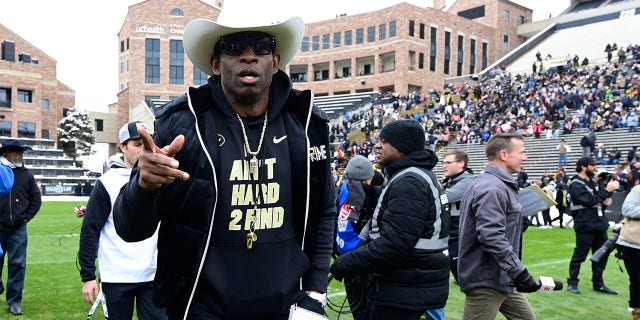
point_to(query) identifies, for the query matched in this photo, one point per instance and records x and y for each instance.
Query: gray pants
(484, 304)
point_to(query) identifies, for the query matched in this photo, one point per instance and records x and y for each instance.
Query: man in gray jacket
(489, 265)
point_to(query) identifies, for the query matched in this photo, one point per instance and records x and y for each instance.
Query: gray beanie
(359, 168)
(406, 135)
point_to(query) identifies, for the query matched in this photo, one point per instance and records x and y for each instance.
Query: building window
(148, 99)
(433, 49)
(326, 41)
(521, 20)
(392, 29)
(9, 51)
(26, 130)
(152, 61)
(447, 51)
(472, 56)
(505, 42)
(371, 34)
(473, 13)
(5, 128)
(121, 67)
(98, 125)
(199, 77)
(176, 62)
(315, 45)
(382, 32)
(359, 36)
(176, 12)
(421, 60)
(460, 57)
(127, 43)
(348, 38)
(505, 15)
(44, 134)
(44, 104)
(5, 97)
(412, 25)
(25, 96)
(122, 46)
(421, 34)
(485, 57)
(337, 39)
(304, 46)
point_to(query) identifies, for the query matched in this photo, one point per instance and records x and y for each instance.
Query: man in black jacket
(587, 198)
(238, 177)
(406, 249)
(17, 208)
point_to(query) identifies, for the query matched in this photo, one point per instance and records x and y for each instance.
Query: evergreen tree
(75, 134)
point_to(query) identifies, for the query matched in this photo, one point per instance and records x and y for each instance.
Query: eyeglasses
(449, 162)
(235, 46)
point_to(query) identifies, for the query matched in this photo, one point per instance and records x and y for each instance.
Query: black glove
(311, 304)
(524, 282)
(337, 272)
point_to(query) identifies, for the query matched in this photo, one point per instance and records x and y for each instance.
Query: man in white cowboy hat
(238, 177)
(16, 209)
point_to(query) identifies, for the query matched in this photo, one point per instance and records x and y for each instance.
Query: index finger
(147, 142)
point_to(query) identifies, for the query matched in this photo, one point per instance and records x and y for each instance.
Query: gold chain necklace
(253, 171)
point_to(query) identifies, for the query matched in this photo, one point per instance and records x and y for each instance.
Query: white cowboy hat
(200, 35)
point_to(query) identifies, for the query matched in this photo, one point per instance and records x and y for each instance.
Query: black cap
(585, 161)
(406, 135)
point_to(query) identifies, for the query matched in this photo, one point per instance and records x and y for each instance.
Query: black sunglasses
(235, 46)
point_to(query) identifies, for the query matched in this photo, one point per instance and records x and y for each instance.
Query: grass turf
(53, 286)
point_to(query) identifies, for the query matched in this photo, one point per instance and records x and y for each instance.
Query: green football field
(53, 286)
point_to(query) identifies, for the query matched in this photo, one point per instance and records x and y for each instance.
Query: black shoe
(15, 310)
(606, 290)
(573, 289)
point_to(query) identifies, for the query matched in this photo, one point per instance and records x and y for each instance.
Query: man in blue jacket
(489, 265)
(17, 208)
(406, 249)
(238, 176)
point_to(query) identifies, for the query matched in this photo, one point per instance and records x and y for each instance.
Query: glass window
(392, 29)
(348, 38)
(315, 45)
(5, 128)
(26, 130)
(199, 77)
(176, 12)
(359, 36)
(25, 95)
(44, 104)
(98, 125)
(421, 34)
(382, 32)
(337, 39)
(485, 55)
(326, 41)
(421, 60)
(433, 49)
(505, 15)
(411, 27)
(148, 99)
(371, 34)
(505, 42)
(304, 47)
(152, 61)
(472, 56)
(44, 134)
(5, 97)
(176, 62)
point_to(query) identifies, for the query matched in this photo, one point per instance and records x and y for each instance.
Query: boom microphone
(547, 284)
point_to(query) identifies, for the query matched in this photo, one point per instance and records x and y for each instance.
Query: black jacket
(403, 276)
(22, 203)
(586, 204)
(186, 208)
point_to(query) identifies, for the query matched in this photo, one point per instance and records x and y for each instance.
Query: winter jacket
(455, 187)
(187, 209)
(490, 232)
(586, 204)
(119, 261)
(22, 203)
(406, 274)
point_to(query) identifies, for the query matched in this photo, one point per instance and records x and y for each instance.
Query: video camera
(604, 177)
(607, 247)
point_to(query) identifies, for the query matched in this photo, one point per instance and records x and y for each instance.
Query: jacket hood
(278, 94)
(422, 159)
(117, 161)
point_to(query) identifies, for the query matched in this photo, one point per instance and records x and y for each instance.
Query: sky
(81, 35)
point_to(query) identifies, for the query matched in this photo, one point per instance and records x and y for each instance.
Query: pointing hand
(157, 166)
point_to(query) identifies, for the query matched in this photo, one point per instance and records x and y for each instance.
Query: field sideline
(53, 286)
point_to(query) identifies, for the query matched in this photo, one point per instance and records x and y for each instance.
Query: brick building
(32, 99)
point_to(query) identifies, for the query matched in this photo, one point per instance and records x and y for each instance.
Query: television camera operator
(588, 196)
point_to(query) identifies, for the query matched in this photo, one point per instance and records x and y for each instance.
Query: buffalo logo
(221, 140)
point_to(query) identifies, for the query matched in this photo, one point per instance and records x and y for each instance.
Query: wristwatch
(321, 297)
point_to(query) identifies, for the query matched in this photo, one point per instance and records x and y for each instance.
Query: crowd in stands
(546, 103)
